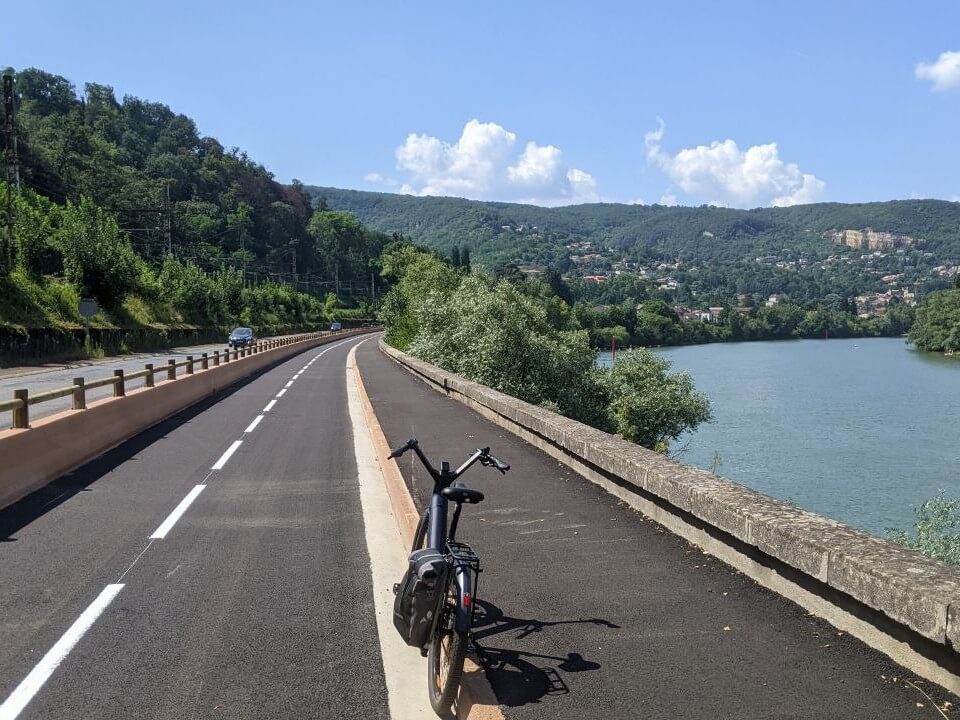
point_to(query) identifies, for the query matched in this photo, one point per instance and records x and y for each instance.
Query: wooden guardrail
(19, 405)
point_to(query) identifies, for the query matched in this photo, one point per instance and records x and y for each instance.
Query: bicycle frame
(432, 529)
(466, 564)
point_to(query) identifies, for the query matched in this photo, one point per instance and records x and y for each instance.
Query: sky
(743, 104)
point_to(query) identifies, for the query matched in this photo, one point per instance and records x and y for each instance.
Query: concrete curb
(477, 700)
(894, 599)
(56, 444)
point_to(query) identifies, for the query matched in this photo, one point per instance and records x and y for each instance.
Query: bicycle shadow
(519, 677)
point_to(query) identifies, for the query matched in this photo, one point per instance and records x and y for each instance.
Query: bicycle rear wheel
(448, 648)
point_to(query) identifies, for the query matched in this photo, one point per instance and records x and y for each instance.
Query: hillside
(125, 201)
(444, 222)
(796, 250)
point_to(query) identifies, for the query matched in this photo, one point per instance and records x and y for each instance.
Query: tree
(650, 406)
(455, 256)
(937, 324)
(338, 238)
(465, 257)
(97, 257)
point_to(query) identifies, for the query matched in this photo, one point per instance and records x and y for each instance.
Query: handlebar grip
(409, 444)
(490, 461)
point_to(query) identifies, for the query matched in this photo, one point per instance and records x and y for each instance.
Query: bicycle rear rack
(463, 554)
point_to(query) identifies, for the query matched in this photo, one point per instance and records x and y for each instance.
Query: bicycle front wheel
(445, 667)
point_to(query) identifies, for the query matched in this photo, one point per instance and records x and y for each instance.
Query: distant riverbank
(854, 429)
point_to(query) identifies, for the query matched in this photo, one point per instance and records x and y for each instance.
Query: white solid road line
(161, 532)
(252, 426)
(280, 394)
(218, 465)
(25, 691)
(269, 406)
(403, 667)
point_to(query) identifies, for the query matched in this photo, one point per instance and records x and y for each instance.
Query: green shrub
(936, 530)
(648, 405)
(516, 339)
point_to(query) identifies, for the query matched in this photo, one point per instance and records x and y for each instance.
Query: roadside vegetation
(936, 531)
(123, 201)
(524, 340)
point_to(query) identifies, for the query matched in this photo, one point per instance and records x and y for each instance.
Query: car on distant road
(241, 337)
(334, 326)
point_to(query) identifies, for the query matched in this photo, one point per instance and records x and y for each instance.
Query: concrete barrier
(32, 457)
(894, 599)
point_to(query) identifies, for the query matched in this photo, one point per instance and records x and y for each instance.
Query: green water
(859, 430)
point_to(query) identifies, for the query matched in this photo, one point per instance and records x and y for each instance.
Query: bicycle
(449, 635)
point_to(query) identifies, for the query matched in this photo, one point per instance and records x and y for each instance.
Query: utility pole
(168, 224)
(13, 169)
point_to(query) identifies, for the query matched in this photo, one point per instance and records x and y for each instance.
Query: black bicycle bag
(419, 595)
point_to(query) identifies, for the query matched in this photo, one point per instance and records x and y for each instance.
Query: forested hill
(125, 201)
(499, 232)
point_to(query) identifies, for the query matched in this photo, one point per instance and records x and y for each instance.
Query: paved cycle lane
(593, 611)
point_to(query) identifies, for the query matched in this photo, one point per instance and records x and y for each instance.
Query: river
(858, 430)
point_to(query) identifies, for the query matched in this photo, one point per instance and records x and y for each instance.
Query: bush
(648, 405)
(97, 256)
(516, 339)
(936, 531)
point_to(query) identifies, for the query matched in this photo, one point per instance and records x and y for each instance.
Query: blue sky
(740, 103)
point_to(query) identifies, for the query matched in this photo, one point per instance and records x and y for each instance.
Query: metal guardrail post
(171, 369)
(119, 388)
(21, 415)
(204, 362)
(79, 394)
(189, 364)
(148, 378)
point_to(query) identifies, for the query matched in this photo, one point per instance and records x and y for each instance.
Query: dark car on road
(241, 337)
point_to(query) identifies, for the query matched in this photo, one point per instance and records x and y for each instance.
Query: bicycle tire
(451, 646)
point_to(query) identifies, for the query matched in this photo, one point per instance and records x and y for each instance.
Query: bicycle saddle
(460, 494)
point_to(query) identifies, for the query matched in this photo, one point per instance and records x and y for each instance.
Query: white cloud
(668, 199)
(944, 73)
(377, 179)
(637, 201)
(483, 164)
(723, 174)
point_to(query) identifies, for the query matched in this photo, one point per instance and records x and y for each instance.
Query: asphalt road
(216, 566)
(256, 601)
(39, 380)
(593, 611)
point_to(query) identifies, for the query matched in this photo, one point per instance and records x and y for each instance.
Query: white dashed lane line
(269, 406)
(280, 394)
(252, 426)
(218, 465)
(167, 525)
(32, 683)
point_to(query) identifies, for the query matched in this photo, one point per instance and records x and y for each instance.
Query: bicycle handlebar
(482, 455)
